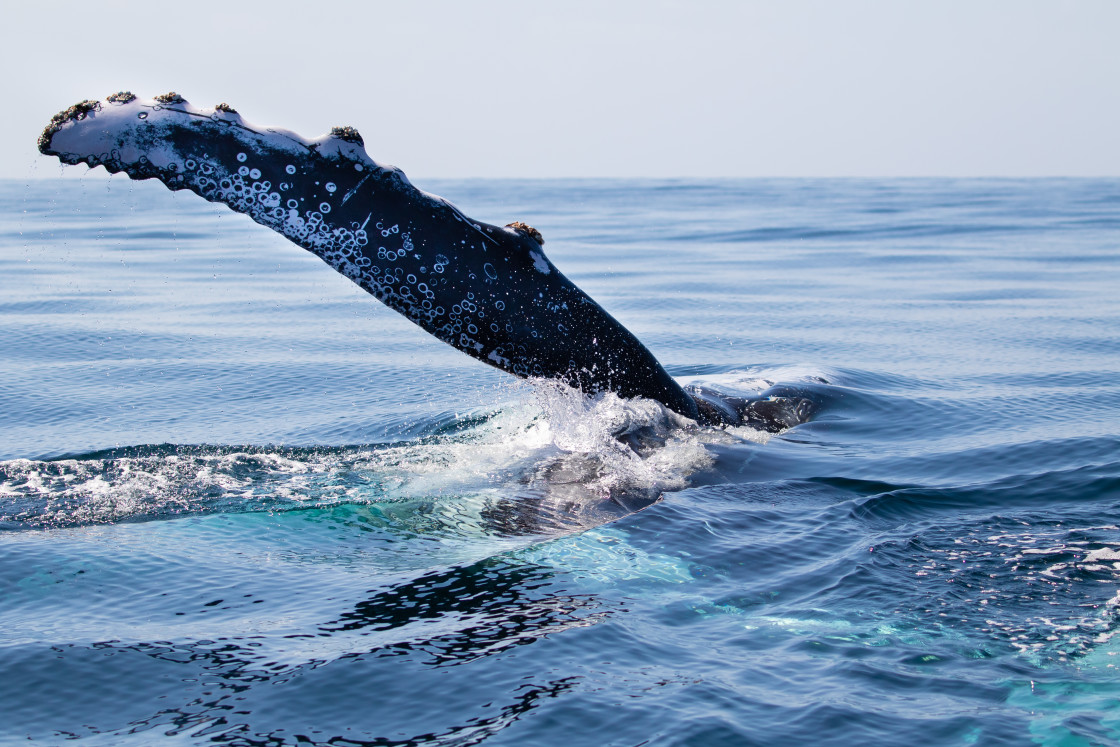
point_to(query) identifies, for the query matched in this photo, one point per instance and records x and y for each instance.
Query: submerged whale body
(487, 290)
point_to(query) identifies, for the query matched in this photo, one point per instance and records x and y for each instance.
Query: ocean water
(242, 503)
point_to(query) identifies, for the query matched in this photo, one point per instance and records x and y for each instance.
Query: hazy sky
(650, 88)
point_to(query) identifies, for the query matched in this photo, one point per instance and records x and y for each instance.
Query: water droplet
(290, 169)
(255, 174)
(330, 186)
(324, 207)
(142, 115)
(242, 157)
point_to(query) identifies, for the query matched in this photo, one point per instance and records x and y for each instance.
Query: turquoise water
(242, 503)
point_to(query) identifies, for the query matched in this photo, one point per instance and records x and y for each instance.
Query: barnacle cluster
(349, 134)
(525, 228)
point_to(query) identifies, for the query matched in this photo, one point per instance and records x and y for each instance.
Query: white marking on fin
(539, 264)
(350, 194)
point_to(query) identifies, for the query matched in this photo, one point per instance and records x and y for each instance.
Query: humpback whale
(487, 290)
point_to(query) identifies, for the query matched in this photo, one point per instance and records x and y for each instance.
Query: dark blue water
(241, 503)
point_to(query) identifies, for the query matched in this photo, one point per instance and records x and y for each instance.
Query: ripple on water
(934, 559)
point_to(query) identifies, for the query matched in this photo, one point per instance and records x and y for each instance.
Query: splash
(557, 461)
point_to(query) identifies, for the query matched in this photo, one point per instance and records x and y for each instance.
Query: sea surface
(242, 503)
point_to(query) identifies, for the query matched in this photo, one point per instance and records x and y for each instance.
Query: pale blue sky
(654, 88)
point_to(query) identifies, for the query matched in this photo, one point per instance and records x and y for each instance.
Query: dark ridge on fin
(76, 112)
(525, 228)
(170, 98)
(224, 107)
(121, 97)
(349, 134)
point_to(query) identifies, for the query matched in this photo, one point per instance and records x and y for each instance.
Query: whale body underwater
(487, 290)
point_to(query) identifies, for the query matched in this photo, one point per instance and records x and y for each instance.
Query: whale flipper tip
(76, 112)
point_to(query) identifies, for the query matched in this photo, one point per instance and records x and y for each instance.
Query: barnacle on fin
(349, 134)
(121, 97)
(170, 98)
(77, 112)
(224, 107)
(525, 228)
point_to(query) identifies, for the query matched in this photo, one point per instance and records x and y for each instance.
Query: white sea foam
(556, 459)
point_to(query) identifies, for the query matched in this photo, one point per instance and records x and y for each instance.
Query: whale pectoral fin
(488, 291)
